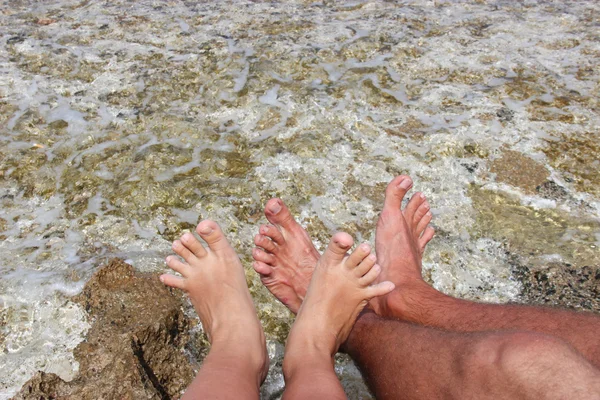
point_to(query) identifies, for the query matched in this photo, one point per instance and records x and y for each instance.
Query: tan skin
(214, 279)
(237, 363)
(489, 344)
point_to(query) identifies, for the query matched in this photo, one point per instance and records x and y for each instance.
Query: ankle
(243, 355)
(309, 358)
(413, 302)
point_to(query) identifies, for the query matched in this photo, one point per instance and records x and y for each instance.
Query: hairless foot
(285, 256)
(340, 288)
(215, 281)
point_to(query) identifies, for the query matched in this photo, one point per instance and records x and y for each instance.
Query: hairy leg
(339, 289)
(413, 300)
(215, 281)
(402, 360)
(285, 255)
(383, 345)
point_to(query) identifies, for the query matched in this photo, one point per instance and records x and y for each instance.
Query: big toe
(279, 214)
(212, 234)
(339, 244)
(395, 192)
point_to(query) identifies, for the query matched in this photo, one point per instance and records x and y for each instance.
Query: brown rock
(133, 349)
(518, 170)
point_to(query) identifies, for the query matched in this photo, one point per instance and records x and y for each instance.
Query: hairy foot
(285, 257)
(400, 239)
(339, 289)
(215, 281)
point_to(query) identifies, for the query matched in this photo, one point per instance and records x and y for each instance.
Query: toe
(365, 266)
(358, 255)
(411, 208)
(272, 233)
(212, 234)
(183, 251)
(265, 243)
(173, 281)
(427, 236)
(423, 222)
(339, 244)
(278, 214)
(261, 256)
(370, 276)
(193, 245)
(395, 192)
(262, 268)
(178, 266)
(380, 289)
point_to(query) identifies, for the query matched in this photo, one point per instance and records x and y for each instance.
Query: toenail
(275, 208)
(364, 247)
(372, 257)
(206, 230)
(263, 229)
(422, 195)
(426, 205)
(186, 237)
(405, 184)
(429, 213)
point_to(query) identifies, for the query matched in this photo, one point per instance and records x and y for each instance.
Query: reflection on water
(122, 124)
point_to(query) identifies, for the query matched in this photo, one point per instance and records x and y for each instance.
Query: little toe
(423, 223)
(358, 255)
(212, 234)
(265, 243)
(395, 192)
(183, 251)
(370, 276)
(365, 266)
(178, 266)
(427, 236)
(173, 281)
(262, 268)
(336, 250)
(380, 289)
(272, 233)
(193, 245)
(262, 256)
(415, 201)
(278, 214)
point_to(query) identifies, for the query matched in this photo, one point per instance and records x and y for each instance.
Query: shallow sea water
(122, 124)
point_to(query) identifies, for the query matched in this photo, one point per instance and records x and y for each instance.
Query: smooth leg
(226, 374)
(215, 281)
(339, 289)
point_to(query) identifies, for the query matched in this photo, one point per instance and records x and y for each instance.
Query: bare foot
(400, 239)
(285, 256)
(340, 288)
(214, 279)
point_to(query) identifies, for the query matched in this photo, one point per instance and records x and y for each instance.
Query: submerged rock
(519, 170)
(134, 349)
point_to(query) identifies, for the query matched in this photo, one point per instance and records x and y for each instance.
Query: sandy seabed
(122, 124)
